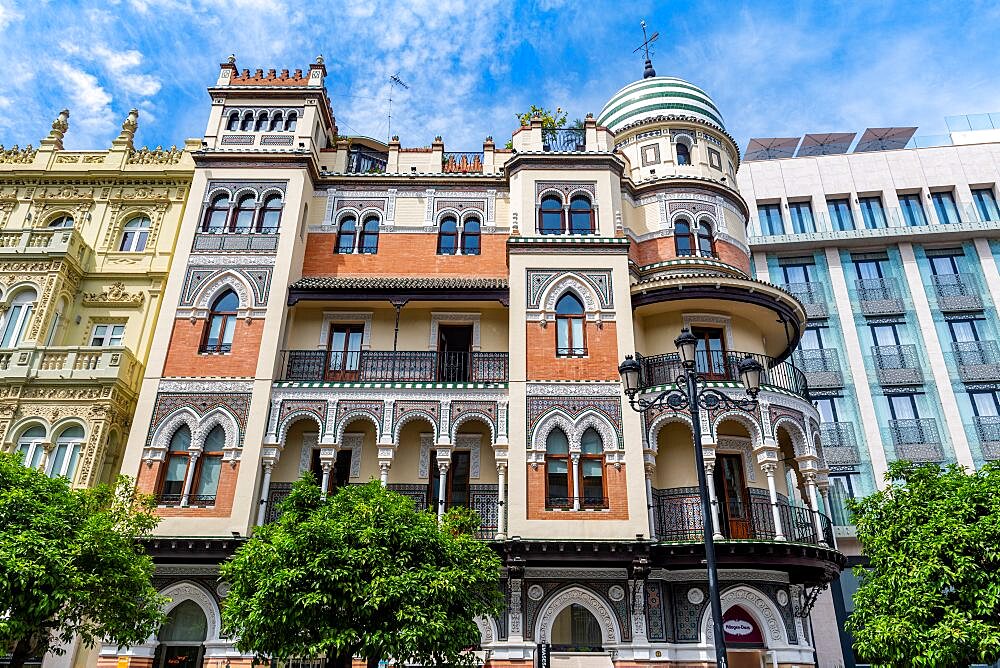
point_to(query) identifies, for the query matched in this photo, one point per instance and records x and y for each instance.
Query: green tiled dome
(658, 96)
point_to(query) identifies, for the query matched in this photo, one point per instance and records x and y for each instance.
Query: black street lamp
(691, 395)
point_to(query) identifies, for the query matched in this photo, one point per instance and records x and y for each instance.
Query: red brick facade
(184, 360)
(600, 363)
(662, 249)
(614, 485)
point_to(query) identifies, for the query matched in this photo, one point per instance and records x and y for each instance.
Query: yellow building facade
(86, 241)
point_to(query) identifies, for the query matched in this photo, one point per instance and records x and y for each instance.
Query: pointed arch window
(17, 317)
(448, 237)
(247, 124)
(347, 235)
(270, 215)
(243, 214)
(261, 122)
(31, 446)
(569, 327)
(470, 237)
(369, 236)
(66, 453)
(221, 324)
(592, 490)
(706, 246)
(683, 154)
(550, 215)
(581, 216)
(683, 238)
(291, 121)
(134, 235)
(277, 122)
(216, 214)
(176, 468)
(234, 122)
(208, 468)
(558, 480)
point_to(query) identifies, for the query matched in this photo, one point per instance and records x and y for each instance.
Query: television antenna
(394, 81)
(646, 43)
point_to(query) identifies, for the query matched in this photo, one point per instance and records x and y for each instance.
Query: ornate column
(189, 478)
(650, 510)
(501, 500)
(47, 448)
(326, 479)
(811, 487)
(385, 454)
(575, 457)
(824, 491)
(442, 486)
(383, 476)
(779, 529)
(716, 523)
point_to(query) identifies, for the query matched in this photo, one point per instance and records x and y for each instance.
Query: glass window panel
(173, 482)
(840, 214)
(770, 219)
(591, 468)
(12, 328)
(913, 210)
(963, 331)
(944, 207)
(591, 442)
(872, 212)
(57, 460)
(562, 334)
(902, 407)
(868, 269)
(885, 335)
(181, 440)
(577, 325)
(827, 408)
(796, 273)
(986, 204)
(227, 335)
(556, 443)
(802, 218)
(208, 480)
(214, 328)
(217, 220)
(216, 439)
(985, 404)
(812, 339)
(187, 623)
(944, 266)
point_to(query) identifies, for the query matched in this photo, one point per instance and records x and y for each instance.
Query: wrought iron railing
(721, 366)
(467, 162)
(879, 296)
(216, 348)
(572, 139)
(567, 502)
(957, 292)
(821, 366)
(194, 500)
(916, 439)
(678, 516)
(840, 446)
(897, 365)
(988, 430)
(395, 366)
(977, 361)
(360, 161)
(812, 295)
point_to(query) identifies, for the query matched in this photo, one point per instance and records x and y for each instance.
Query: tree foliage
(70, 563)
(931, 594)
(362, 573)
(551, 121)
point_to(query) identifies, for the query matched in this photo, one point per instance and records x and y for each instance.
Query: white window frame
(32, 443)
(73, 448)
(15, 321)
(139, 228)
(106, 340)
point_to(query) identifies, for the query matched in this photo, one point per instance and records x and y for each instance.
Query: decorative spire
(59, 128)
(129, 126)
(648, 72)
(232, 59)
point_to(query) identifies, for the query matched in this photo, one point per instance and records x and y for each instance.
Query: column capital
(769, 468)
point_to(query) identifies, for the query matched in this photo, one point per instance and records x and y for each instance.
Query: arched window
(134, 235)
(175, 471)
(705, 246)
(569, 327)
(581, 216)
(369, 236)
(61, 222)
(558, 482)
(448, 237)
(206, 480)
(683, 154)
(346, 236)
(550, 216)
(261, 122)
(592, 469)
(30, 447)
(216, 214)
(67, 453)
(575, 629)
(291, 121)
(470, 237)
(181, 640)
(221, 324)
(683, 238)
(15, 320)
(243, 216)
(234, 121)
(270, 215)
(247, 124)
(277, 122)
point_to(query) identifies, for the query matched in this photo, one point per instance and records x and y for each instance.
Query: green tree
(70, 563)
(931, 594)
(362, 573)
(551, 121)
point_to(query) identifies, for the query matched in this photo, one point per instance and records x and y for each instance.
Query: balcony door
(797, 273)
(731, 491)
(944, 265)
(344, 351)
(454, 348)
(710, 354)
(456, 493)
(340, 474)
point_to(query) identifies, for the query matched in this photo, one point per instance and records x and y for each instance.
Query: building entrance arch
(181, 640)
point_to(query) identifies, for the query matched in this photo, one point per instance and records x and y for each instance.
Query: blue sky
(773, 69)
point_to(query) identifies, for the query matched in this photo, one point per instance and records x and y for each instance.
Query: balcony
(47, 241)
(839, 444)
(469, 162)
(395, 366)
(264, 239)
(813, 297)
(821, 367)
(677, 517)
(664, 369)
(80, 363)
(897, 365)
(879, 296)
(573, 139)
(988, 430)
(916, 439)
(363, 161)
(977, 361)
(957, 292)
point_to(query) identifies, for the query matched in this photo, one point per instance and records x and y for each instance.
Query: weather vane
(646, 43)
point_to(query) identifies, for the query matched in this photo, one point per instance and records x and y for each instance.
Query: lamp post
(692, 395)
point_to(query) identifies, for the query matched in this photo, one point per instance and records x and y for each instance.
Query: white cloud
(90, 104)
(8, 13)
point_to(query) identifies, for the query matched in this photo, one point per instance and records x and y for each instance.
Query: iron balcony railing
(988, 430)
(821, 366)
(572, 139)
(812, 295)
(957, 292)
(194, 500)
(977, 361)
(879, 296)
(839, 444)
(567, 502)
(395, 366)
(360, 161)
(664, 369)
(468, 162)
(897, 365)
(678, 517)
(916, 439)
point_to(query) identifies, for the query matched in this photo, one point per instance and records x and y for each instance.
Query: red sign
(739, 628)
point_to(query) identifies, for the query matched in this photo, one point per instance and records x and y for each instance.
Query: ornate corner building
(86, 241)
(451, 325)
